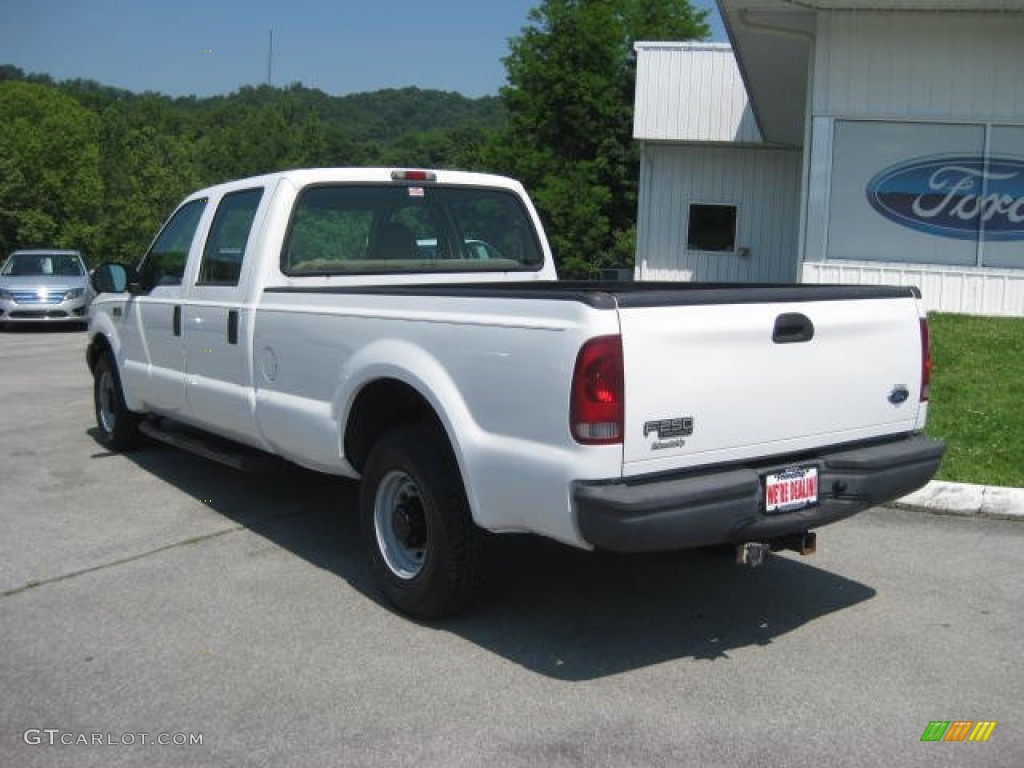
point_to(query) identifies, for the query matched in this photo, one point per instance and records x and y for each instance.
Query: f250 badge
(669, 431)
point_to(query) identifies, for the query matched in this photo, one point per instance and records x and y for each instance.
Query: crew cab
(407, 328)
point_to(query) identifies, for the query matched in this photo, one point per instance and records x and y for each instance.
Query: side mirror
(112, 277)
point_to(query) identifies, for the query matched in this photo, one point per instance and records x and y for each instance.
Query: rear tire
(424, 549)
(118, 427)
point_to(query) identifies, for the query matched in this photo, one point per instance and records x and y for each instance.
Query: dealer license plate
(790, 490)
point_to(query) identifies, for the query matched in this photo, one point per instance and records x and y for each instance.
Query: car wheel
(424, 549)
(119, 427)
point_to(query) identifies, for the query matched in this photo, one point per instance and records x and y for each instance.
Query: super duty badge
(669, 431)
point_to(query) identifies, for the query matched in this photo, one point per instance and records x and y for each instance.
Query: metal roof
(772, 40)
(691, 92)
(968, 6)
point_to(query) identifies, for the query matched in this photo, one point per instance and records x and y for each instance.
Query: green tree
(50, 187)
(88, 166)
(239, 140)
(145, 172)
(571, 79)
(309, 148)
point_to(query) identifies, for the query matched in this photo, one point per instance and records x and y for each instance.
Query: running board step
(211, 447)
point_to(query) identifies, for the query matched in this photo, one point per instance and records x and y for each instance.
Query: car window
(45, 264)
(165, 262)
(23, 265)
(229, 234)
(380, 228)
(66, 265)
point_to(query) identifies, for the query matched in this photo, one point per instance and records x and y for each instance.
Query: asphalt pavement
(158, 596)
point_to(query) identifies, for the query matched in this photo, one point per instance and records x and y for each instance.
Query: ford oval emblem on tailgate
(953, 196)
(899, 394)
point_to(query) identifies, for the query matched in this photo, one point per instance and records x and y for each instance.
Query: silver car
(44, 286)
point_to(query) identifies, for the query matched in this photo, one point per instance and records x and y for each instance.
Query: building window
(950, 194)
(711, 228)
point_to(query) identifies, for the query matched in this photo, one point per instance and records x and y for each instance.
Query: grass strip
(976, 387)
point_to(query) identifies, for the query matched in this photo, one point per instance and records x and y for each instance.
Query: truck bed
(608, 295)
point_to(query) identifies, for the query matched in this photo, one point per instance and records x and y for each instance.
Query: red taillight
(413, 176)
(926, 360)
(596, 405)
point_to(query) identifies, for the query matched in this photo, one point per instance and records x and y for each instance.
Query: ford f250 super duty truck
(407, 328)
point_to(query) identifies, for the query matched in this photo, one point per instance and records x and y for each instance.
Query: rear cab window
(389, 228)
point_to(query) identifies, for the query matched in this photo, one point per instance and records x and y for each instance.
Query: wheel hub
(400, 524)
(106, 398)
(408, 524)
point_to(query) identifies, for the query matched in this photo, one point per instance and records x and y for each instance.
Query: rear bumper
(695, 510)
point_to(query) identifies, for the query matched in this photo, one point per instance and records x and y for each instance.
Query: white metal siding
(691, 92)
(921, 65)
(968, 291)
(764, 184)
(935, 67)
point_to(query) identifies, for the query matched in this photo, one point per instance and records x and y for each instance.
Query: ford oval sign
(963, 197)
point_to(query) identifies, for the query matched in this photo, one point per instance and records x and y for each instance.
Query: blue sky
(183, 47)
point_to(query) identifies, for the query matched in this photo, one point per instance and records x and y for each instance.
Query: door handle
(177, 320)
(232, 326)
(792, 328)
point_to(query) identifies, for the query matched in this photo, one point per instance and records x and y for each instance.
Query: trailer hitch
(755, 553)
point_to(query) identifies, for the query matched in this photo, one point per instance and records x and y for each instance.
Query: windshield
(388, 228)
(43, 264)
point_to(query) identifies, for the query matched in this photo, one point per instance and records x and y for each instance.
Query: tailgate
(713, 383)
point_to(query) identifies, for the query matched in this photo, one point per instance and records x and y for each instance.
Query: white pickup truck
(407, 328)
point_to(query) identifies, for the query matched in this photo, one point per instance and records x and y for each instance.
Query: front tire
(424, 549)
(118, 427)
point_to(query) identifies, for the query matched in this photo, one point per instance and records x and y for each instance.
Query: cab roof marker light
(413, 176)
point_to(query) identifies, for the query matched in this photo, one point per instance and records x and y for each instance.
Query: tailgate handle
(792, 328)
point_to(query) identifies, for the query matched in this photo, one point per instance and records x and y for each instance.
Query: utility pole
(270, 59)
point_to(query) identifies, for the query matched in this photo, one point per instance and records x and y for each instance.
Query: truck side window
(229, 234)
(165, 262)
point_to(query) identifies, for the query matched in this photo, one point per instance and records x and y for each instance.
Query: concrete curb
(967, 500)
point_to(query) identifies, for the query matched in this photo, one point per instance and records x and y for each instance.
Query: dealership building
(840, 141)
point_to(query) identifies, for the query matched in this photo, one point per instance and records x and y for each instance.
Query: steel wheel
(118, 427)
(400, 524)
(424, 549)
(106, 397)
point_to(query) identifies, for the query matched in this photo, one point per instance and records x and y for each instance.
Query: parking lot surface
(158, 596)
